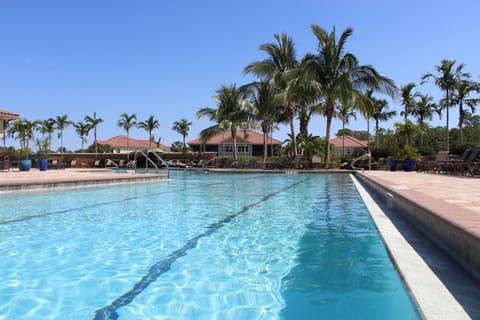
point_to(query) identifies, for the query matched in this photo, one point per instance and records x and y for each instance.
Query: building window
(243, 148)
(227, 148)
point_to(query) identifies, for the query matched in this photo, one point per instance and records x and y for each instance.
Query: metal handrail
(110, 161)
(147, 159)
(160, 158)
(368, 155)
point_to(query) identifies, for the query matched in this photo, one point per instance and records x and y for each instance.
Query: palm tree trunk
(291, 116)
(460, 121)
(368, 144)
(265, 147)
(95, 137)
(234, 139)
(327, 138)
(448, 133)
(128, 146)
(61, 144)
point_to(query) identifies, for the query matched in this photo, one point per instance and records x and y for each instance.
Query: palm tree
(149, 125)
(45, 127)
(279, 68)
(338, 75)
(23, 129)
(263, 101)
(61, 123)
(446, 79)
(424, 108)
(82, 129)
(408, 99)
(182, 127)
(305, 94)
(462, 90)
(93, 122)
(231, 112)
(381, 113)
(49, 127)
(127, 122)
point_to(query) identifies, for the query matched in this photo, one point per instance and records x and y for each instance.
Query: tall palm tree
(461, 96)
(231, 112)
(338, 75)
(305, 95)
(61, 123)
(264, 103)
(446, 78)
(182, 127)
(423, 110)
(82, 129)
(49, 127)
(408, 99)
(381, 113)
(127, 122)
(93, 122)
(279, 68)
(149, 125)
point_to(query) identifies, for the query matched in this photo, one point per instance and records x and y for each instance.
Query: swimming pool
(198, 246)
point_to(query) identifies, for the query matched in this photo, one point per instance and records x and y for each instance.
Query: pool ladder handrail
(147, 160)
(109, 162)
(367, 155)
(165, 163)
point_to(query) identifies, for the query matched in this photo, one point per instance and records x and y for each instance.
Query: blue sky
(167, 58)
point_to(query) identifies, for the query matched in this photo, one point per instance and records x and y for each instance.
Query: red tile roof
(121, 142)
(5, 114)
(349, 142)
(252, 137)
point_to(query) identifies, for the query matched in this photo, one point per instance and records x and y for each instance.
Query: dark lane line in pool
(110, 312)
(46, 214)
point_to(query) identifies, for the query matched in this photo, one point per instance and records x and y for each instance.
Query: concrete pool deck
(453, 201)
(35, 179)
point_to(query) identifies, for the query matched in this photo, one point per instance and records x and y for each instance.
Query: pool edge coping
(425, 287)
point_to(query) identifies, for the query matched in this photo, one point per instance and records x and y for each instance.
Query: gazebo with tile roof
(6, 115)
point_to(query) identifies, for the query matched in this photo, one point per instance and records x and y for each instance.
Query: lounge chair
(460, 166)
(203, 163)
(316, 161)
(280, 164)
(54, 164)
(472, 164)
(110, 163)
(296, 161)
(438, 165)
(252, 164)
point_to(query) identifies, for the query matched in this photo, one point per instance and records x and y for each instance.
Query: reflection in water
(343, 270)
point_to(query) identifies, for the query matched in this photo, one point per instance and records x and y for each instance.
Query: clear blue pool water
(199, 246)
